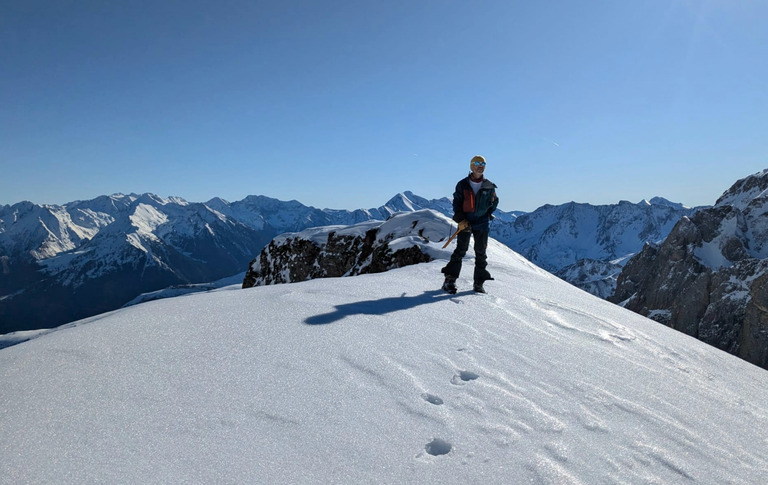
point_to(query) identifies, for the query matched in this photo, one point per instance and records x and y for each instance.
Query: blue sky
(343, 104)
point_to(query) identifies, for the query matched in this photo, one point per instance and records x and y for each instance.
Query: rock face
(370, 247)
(708, 278)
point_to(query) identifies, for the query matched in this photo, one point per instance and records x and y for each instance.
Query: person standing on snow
(474, 201)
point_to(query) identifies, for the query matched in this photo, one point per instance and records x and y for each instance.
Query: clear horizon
(344, 104)
(374, 206)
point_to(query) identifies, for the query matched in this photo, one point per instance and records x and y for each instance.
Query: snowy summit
(381, 378)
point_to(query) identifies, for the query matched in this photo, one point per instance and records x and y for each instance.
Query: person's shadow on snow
(379, 307)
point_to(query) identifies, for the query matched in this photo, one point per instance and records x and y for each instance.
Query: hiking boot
(450, 285)
(478, 287)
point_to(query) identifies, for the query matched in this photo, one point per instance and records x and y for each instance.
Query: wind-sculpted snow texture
(709, 277)
(380, 378)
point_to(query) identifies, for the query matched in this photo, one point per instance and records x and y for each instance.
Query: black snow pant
(453, 268)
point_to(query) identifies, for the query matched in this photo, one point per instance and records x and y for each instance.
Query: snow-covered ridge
(381, 378)
(403, 228)
(664, 202)
(113, 248)
(745, 191)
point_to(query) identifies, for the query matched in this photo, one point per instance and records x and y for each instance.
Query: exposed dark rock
(707, 279)
(301, 256)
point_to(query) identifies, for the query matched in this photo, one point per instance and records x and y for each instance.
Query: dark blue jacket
(476, 209)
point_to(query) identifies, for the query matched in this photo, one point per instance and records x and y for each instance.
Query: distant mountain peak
(217, 201)
(402, 201)
(745, 191)
(666, 203)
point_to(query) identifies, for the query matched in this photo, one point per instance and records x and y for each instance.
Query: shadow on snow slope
(381, 306)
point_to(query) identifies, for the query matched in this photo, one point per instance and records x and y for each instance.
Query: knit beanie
(477, 158)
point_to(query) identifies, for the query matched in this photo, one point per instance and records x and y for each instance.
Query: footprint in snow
(432, 399)
(462, 377)
(438, 447)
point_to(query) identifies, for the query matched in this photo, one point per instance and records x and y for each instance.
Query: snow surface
(381, 379)
(180, 290)
(402, 230)
(319, 235)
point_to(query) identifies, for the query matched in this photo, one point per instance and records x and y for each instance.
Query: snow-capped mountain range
(381, 378)
(587, 244)
(709, 277)
(61, 263)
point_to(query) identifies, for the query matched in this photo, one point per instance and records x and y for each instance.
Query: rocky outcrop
(707, 279)
(370, 247)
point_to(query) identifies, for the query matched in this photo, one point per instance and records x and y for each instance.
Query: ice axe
(462, 225)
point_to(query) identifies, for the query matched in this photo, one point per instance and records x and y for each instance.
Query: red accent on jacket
(469, 201)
